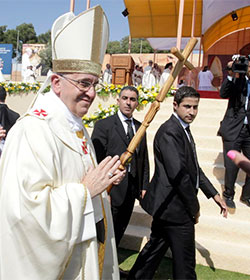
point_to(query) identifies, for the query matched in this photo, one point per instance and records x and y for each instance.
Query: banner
(6, 58)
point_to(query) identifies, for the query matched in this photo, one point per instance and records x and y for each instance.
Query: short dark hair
(185, 91)
(205, 69)
(168, 65)
(129, 88)
(2, 94)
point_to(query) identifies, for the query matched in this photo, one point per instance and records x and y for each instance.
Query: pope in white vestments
(46, 207)
(48, 216)
(26, 63)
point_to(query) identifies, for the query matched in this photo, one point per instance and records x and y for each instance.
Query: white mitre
(79, 42)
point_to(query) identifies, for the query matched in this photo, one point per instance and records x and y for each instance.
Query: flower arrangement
(18, 88)
(101, 113)
(146, 96)
(105, 90)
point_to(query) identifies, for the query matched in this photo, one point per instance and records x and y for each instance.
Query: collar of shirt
(183, 124)
(74, 122)
(123, 119)
(230, 78)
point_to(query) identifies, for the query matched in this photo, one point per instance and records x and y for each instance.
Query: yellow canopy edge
(225, 26)
(159, 18)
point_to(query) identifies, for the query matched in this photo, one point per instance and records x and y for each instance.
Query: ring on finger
(110, 174)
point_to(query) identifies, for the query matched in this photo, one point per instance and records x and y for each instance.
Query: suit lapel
(177, 123)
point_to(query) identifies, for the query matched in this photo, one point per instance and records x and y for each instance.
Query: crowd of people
(57, 219)
(152, 75)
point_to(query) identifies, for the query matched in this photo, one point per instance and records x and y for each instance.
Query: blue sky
(42, 13)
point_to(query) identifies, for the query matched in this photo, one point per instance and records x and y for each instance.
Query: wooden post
(192, 35)
(199, 63)
(129, 44)
(180, 22)
(193, 24)
(179, 29)
(88, 4)
(154, 59)
(72, 6)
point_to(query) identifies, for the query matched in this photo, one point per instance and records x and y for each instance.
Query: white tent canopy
(164, 44)
(157, 20)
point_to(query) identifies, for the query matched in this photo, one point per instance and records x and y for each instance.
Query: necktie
(130, 131)
(194, 152)
(130, 135)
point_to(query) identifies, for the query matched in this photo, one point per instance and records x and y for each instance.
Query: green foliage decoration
(104, 91)
(146, 96)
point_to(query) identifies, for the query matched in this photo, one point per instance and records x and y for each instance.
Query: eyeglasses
(82, 85)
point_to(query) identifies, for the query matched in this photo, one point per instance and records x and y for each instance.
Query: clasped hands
(106, 173)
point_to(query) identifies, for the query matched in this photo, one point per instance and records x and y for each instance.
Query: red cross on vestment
(84, 147)
(41, 112)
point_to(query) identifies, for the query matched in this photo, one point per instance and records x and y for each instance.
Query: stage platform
(209, 94)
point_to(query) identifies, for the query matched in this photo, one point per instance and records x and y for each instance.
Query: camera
(240, 64)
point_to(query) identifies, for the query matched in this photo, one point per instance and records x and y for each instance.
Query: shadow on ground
(127, 258)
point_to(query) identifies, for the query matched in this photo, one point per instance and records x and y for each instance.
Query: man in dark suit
(235, 130)
(8, 117)
(111, 136)
(171, 197)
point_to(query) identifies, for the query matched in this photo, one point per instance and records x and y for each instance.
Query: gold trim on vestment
(76, 66)
(101, 251)
(70, 256)
(102, 246)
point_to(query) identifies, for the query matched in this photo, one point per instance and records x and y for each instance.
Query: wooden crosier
(126, 157)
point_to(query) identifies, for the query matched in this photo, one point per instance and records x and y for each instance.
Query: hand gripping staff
(126, 157)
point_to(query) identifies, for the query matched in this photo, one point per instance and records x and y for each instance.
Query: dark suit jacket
(7, 117)
(234, 117)
(172, 193)
(109, 138)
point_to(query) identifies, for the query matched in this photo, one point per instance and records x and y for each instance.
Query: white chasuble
(47, 216)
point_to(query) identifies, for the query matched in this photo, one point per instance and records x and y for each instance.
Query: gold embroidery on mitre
(76, 66)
